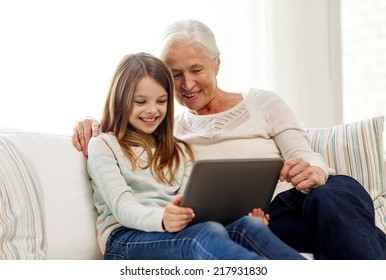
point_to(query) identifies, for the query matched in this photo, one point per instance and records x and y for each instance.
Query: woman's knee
(339, 191)
(338, 186)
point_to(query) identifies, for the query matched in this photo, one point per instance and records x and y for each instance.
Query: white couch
(59, 194)
(69, 213)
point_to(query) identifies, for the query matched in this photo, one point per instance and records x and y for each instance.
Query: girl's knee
(248, 222)
(209, 227)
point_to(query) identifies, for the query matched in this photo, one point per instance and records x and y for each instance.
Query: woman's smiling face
(194, 75)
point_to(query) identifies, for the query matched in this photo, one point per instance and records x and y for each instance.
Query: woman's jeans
(245, 239)
(334, 221)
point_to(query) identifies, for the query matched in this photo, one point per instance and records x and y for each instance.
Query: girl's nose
(151, 109)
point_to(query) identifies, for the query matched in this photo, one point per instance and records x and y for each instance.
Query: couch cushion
(356, 149)
(22, 221)
(70, 212)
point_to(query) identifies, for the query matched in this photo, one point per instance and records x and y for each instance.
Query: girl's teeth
(149, 119)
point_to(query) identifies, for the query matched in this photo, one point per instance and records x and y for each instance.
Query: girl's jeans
(246, 238)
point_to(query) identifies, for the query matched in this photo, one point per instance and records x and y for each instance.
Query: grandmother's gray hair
(190, 31)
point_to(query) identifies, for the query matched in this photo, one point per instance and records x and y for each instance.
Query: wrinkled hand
(302, 175)
(259, 213)
(84, 129)
(175, 217)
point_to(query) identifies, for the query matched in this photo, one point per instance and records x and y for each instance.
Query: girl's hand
(258, 213)
(175, 217)
(302, 175)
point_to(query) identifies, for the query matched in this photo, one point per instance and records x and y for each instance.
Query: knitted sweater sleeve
(113, 196)
(289, 136)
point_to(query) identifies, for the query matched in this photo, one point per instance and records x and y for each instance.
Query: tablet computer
(224, 190)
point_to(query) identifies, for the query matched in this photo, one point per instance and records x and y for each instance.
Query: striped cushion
(356, 149)
(22, 221)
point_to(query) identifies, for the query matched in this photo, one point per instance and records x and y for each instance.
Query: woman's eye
(196, 71)
(176, 75)
(163, 101)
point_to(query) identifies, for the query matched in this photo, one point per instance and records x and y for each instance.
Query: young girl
(139, 171)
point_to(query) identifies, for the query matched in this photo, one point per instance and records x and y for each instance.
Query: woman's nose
(188, 82)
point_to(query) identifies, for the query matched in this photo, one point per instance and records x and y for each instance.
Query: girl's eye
(163, 101)
(139, 102)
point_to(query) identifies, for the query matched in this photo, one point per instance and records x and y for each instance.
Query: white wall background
(57, 56)
(364, 58)
(304, 58)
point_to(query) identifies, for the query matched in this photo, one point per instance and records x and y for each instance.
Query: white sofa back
(69, 211)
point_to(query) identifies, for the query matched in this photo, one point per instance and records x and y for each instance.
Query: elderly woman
(330, 216)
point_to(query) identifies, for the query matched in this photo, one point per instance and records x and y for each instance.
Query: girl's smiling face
(149, 107)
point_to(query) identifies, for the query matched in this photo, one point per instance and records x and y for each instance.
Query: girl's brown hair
(166, 159)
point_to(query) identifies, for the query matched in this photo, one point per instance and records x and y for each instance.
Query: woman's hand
(176, 218)
(302, 175)
(83, 130)
(258, 213)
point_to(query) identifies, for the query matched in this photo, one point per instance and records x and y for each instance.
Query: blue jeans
(245, 239)
(334, 221)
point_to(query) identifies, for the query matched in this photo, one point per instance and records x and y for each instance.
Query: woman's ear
(217, 64)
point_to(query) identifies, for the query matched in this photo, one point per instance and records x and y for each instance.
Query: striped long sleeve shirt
(125, 196)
